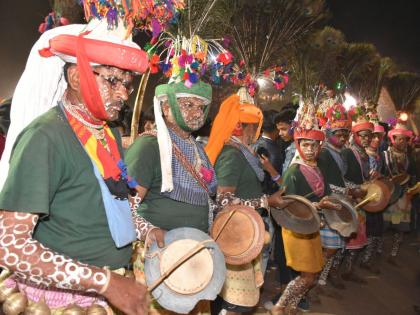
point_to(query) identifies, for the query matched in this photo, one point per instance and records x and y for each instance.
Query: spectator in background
(147, 120)
(284, 122)
(123, 123)
(269, 151)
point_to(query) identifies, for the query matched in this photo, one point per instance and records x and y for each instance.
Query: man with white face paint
(304, 178)
(374, 221)
(357, 172)
(337, 128)
(66, 212)
(174, 173)
(398, 162)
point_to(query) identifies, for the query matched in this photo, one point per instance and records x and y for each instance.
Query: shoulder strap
(185, 163)
(189, 167)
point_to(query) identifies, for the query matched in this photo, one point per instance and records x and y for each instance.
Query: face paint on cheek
(335, 141)
(194, 120)
(105, 92)
(309, 151)
(112, 107)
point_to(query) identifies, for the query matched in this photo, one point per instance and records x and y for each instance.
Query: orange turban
(231, 113)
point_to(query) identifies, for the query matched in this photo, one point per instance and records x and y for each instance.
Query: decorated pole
(138, 105)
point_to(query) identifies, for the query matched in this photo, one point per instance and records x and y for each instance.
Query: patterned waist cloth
(58, 299)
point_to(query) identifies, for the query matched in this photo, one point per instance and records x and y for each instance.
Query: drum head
(200, 277)
(380, 193)
(239, 231)
(300, 216)
(344, 221)
(200, 266)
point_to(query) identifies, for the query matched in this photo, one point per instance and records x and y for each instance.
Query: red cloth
(360, 240)
(100, 52)
(105, 53)
(314, 178)
(107, 161)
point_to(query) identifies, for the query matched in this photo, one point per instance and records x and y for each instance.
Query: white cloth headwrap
(165, 147)
(39, 88)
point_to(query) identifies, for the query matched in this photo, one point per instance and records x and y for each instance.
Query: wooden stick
(311, 193)
(224, 224)
(361, 203)
(178, 263)
(138, 106)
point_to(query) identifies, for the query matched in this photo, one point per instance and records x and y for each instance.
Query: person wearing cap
(66, 220)
(357, 172)
(396, 162)
(304, 178)
(374, 221)
(239, 175)
(337, 129)
(176, 178)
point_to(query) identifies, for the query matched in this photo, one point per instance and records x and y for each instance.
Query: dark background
(392, 26)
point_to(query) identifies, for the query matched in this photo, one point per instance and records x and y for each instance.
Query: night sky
(390, 25)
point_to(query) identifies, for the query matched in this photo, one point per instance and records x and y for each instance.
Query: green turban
(173, 90)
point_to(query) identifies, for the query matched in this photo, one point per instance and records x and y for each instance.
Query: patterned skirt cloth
(330, 238)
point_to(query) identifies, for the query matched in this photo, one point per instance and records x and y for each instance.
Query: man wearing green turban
(174, 173)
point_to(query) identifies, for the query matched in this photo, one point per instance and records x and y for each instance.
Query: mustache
(119, 103)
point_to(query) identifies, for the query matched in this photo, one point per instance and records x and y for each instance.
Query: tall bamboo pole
(138, 106)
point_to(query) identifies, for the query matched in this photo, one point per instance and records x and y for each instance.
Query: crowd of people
(74, 201)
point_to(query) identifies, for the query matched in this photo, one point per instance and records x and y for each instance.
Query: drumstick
(361, 203)
(178, 263)
(224, 224)
(312, 192)
(413, 190)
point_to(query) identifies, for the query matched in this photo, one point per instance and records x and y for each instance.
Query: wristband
(264, 202)
(108, 280)
(275, 178)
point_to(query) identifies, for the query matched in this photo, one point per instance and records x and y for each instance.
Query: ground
(395, 291)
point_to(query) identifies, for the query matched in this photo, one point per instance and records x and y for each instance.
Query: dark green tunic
(233, 170)
(51, 174)
(330, 169)
(296, 184)
(354, 171)
(143, 163)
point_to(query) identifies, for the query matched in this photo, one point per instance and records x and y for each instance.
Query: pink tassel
(207, 174)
